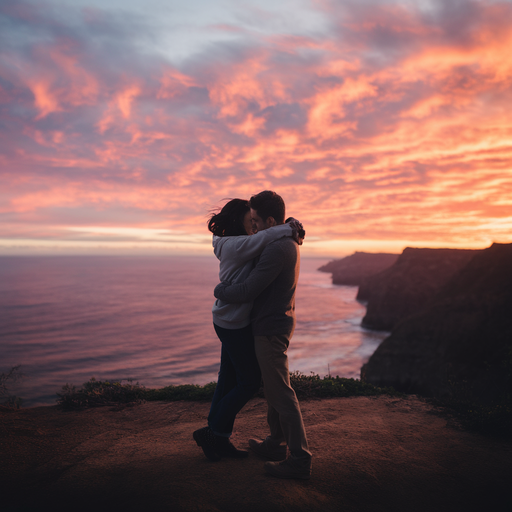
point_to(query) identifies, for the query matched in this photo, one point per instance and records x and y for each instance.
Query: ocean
(66, 319)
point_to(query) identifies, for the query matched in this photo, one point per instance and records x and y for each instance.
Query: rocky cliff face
(409, 285)
(464, 334)
(353, 269)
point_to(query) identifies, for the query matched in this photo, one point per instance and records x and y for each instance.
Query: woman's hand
(298, 232)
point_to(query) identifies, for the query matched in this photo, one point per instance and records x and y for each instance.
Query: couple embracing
(254, 318)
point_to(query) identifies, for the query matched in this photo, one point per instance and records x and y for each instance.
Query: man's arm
(267, 269)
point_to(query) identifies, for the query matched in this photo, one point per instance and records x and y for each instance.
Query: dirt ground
(370, 454)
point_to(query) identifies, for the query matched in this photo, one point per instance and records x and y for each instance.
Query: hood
(218, 242)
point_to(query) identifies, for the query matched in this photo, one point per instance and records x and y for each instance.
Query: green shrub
(96, 393)
(182, 392)
(308, 386)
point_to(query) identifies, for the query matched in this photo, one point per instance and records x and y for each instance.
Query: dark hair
(230, 220)
(268, 204)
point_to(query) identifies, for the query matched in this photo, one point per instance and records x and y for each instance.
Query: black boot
(226, 448)
(205, 438)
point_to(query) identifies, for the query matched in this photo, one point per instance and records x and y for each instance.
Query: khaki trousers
(284, 416)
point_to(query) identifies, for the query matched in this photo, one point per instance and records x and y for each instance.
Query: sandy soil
(370, 454)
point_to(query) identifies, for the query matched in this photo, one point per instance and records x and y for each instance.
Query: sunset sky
(383, 124)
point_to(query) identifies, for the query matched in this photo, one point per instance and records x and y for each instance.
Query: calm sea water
(67, 319)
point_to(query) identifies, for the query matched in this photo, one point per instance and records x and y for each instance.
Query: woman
(239, 375)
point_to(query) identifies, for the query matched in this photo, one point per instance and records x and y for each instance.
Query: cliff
(369, 454)
(409, 285)
(353, 269)
(464, 334)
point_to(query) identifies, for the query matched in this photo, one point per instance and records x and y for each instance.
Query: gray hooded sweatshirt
(237, 258)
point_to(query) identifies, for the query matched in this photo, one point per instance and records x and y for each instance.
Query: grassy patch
(493, 420)
(487, 411)
(191, 392)
(7, 400)
(485, 404)
(310, 386)
(97, 393)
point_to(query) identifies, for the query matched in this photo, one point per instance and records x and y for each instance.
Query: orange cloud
(172, 82)
(121, 103)
(244, 83)
(386, 127)
(45, 100)
(125, 98)
(58, 81)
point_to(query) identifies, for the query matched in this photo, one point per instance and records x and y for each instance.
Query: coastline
(131, 319)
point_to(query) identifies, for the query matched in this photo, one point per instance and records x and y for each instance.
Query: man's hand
(298, 232)
(219, 288)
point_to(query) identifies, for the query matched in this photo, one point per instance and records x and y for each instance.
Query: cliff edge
(369, 454)
(406, 287)
(353, 269)
(462, 335)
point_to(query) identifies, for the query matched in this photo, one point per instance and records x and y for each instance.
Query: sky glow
(382, 124)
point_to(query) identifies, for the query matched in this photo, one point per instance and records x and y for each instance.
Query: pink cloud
(391, 125)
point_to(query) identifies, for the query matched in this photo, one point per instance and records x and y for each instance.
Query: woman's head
(232, 220)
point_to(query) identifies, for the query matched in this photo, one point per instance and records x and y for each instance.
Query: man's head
(267, 210)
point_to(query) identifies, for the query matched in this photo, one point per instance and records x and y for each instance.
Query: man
(271, 285)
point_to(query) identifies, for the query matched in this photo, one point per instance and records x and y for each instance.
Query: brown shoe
(268, 448)
(292, 467)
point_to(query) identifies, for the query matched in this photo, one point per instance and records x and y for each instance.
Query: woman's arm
(246, 247)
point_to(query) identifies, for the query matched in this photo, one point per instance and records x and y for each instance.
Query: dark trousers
(239, 378)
